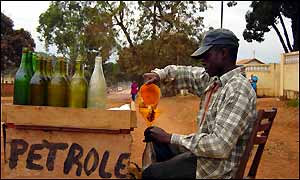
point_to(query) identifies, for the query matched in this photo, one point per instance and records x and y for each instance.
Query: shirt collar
(225, 77)
(212, 81)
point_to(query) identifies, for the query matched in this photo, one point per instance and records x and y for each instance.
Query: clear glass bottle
(58, 87)
(21, 83)
(78, 86)
(97, 87)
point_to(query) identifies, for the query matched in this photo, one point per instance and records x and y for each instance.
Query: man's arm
(187, 77)
(231, 121)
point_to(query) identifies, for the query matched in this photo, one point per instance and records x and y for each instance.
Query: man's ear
(225, 53)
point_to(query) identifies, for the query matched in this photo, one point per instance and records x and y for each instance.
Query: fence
(268, 78)
(289, 75)
(277, 80)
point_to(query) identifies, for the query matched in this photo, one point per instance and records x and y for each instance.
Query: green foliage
(164, 32)
(113, 74)
(6, 25)
(77, 27)
(12, 42)
(168, 49)
(170, 16)
(167, 32)
(266, 15)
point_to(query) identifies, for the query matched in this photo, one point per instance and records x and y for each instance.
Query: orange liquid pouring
(148, 101)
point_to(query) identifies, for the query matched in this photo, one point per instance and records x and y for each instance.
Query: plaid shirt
(222, 137)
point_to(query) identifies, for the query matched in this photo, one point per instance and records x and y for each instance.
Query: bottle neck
(44, 67)
(79, 68)
(49, 67)
(23, 61)
(29, 57)
(29, 63)
(58, 68)
(64, 68)
(98, 64)
(39, 65)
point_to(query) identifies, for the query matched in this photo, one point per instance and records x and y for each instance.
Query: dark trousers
(133, 97)
(171, 163)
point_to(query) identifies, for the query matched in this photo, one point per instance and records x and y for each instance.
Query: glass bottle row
(36, 83)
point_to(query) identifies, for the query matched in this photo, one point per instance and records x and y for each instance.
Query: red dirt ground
(280, 159)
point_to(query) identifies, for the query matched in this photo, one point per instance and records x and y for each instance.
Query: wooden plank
(47, 128)
(133, 119)
(263, 127)
(260, 140)
(68, 117)
(28, 154)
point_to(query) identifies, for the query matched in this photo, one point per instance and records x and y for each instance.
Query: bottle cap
(39, 57)
(24, 50)
(60, 58)
(49, 59)
(79, 58)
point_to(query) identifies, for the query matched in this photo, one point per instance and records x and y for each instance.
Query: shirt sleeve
(231, 121)
(187, 77)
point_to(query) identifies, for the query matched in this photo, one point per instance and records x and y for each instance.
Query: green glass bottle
(34, 56)
(49, 69)
(78, 86)
(58, 87)
(43, 74)
(44, 68)
(33, 62)
(38, 86)
(65, 71)
(29, 63)
(21, 83)
(67, 78)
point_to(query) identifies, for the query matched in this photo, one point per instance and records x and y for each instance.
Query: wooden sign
(61, 154)
(55, 142)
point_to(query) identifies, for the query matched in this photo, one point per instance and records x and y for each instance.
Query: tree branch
(280, 38)
(285, 33)
(124, 29)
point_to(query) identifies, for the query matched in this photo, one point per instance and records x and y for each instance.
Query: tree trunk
(154, 21)
(280, 38)
(295, 30)
(285, 33)
(124, 29)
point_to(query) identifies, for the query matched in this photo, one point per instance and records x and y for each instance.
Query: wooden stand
(53, 142)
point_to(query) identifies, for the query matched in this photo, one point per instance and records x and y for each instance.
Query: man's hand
(157, 134)
(151, 78)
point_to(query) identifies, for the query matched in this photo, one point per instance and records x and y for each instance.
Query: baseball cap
(216, 37)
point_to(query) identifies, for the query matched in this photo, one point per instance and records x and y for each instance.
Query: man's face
(213, 62)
